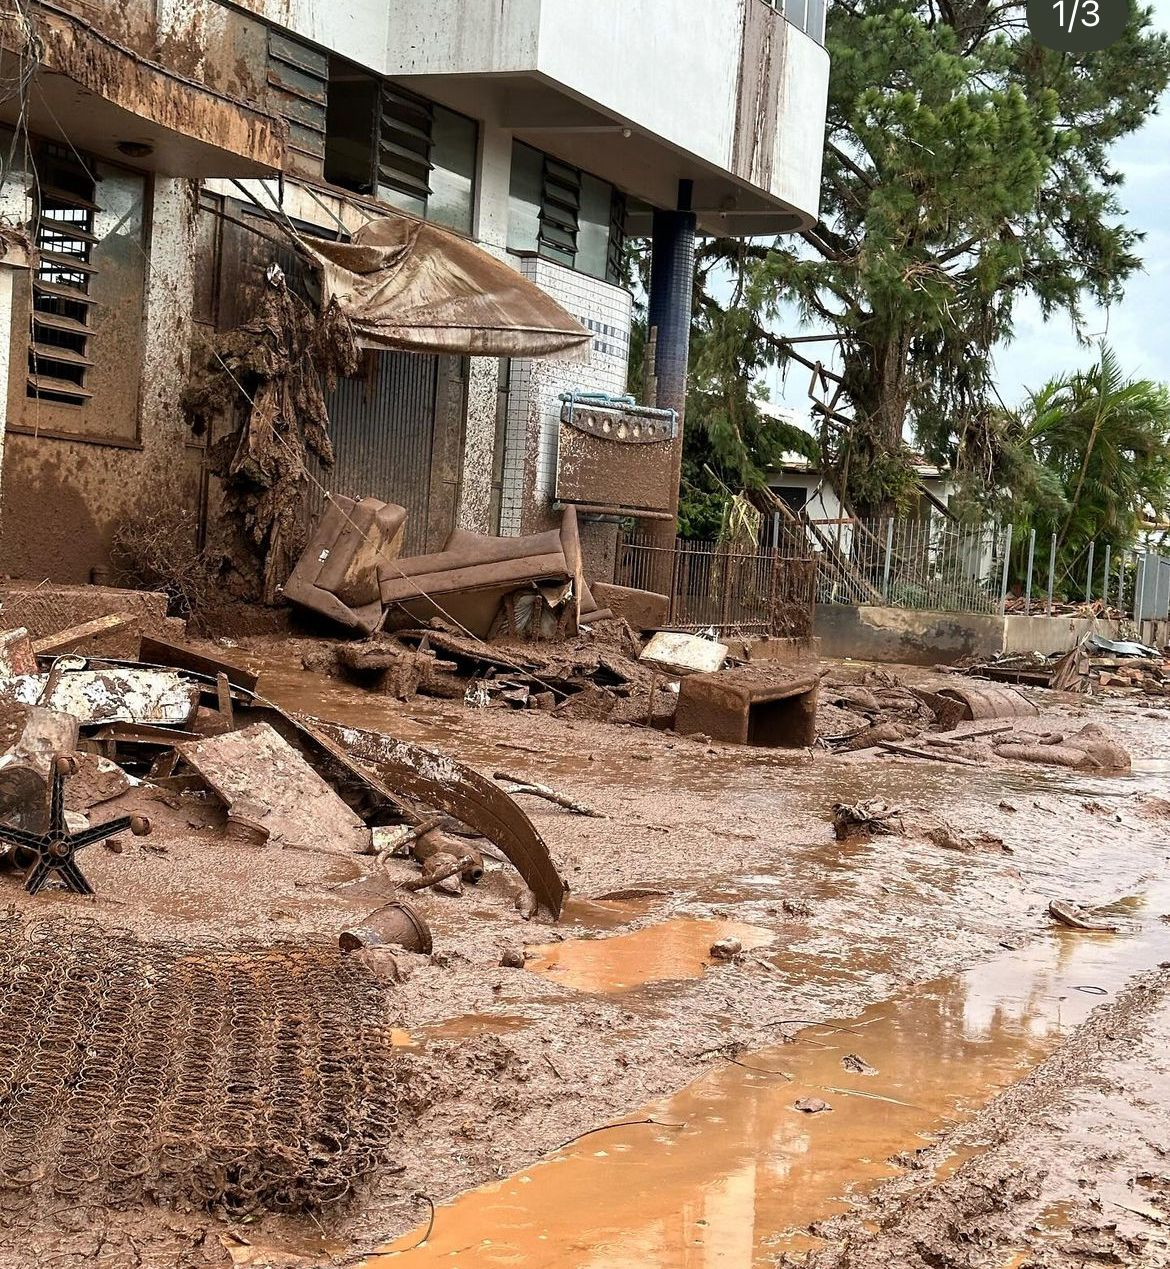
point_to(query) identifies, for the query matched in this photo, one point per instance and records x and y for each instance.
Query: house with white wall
(149, 185)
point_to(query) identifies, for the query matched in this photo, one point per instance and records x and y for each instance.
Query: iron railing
(733, 591)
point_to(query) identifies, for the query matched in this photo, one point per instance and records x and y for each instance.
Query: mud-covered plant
(156, 548)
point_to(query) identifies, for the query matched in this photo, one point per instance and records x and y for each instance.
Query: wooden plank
(63, 640)
(156, 652)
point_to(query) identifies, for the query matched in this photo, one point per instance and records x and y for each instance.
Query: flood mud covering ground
(894, 1056)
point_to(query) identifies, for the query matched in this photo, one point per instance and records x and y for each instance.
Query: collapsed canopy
(407, 284)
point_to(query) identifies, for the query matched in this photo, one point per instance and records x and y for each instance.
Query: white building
(549, 132)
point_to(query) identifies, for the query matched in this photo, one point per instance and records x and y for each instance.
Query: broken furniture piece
(272, 794)
(643, 609)
(53, 850)
(749, 706)
(468, 580)
(351, 572)
(337, 573)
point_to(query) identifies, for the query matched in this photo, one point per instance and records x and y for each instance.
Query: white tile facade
(534, 408)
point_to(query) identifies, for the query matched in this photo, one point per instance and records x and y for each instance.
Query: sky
(1138, 328)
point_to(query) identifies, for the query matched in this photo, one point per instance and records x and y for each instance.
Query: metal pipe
(1051, 571)
(886, 565)
(1105, 592)
(1028, 584)
(1089, 573)
(1007, 555)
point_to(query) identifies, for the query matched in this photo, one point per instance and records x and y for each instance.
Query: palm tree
(1087, 458)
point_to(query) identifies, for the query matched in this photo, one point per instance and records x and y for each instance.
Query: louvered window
(560, 210)
(404, 147)
(566, 215)
(59, 350)
(297, 80)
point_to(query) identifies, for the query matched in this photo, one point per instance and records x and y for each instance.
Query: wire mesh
(242, 1078)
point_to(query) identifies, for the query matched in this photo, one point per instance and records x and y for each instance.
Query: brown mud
(504, 1065)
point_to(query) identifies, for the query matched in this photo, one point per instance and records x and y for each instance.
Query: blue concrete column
(672, 279)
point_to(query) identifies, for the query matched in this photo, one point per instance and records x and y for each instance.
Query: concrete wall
(904, 635)
(1052, 634)
(63, 498)
(534, 408)
(914, 637)
(697, 76)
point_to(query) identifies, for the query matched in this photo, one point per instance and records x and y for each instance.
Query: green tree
(1087, 458)
(966, 166)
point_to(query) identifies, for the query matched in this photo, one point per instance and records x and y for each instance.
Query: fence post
(1051, 572)
(1089, 573)
(1007, 556)
(1105, 594)
(1028, 586)
(886, 564)
(1121, 584)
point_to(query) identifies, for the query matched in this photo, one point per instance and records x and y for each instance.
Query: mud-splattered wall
(534, 408)
(63, 498)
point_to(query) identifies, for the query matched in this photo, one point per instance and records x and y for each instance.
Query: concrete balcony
(726, 93)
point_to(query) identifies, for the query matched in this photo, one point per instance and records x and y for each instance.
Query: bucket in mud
(398, 923)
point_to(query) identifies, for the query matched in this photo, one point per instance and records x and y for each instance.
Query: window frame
(21, 339)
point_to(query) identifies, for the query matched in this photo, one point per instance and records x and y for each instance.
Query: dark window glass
(349, 127)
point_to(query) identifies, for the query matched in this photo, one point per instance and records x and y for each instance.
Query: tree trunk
(877, 382)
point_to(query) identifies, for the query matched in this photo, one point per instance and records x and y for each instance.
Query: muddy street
(846, 1066)
(753, 1037)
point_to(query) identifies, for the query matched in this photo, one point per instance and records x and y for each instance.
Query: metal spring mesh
(256, 1076)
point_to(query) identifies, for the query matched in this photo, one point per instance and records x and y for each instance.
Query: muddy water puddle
(464, 1027)
(668, 951)
(730, 1173)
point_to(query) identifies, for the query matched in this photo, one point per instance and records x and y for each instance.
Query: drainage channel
(731, 1173)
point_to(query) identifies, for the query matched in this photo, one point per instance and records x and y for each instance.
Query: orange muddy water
(731, 1173)
(667, 952)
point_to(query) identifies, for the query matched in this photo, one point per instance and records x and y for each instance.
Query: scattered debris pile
(1095, 666)
(178, 725)
(872, 709)
(242, 1078)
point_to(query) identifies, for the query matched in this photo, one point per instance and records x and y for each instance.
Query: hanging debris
(277, 367)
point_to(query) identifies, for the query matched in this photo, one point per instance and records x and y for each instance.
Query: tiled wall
(534, 408)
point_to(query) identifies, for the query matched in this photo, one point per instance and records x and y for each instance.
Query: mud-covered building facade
(154, 151)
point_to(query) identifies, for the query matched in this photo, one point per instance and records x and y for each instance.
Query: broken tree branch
(521, 785)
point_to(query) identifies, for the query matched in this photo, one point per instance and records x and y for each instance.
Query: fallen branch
(433, 878)
(873, 1097)
(908, 752)
(522, 785)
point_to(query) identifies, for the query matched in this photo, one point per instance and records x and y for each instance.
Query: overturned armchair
(352, 573)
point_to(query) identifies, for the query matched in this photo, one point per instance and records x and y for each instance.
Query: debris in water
(726, 949)
(858, 1065)
(811, 1105)
(864, 819)
(1069, 914)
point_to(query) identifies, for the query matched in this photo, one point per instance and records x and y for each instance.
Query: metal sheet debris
(125, 695)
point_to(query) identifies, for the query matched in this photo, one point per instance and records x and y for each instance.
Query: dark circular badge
(1077, 26)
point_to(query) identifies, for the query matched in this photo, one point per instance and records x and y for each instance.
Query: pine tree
(966, 167)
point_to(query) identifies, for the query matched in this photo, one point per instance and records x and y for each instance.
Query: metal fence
(769, 591)
(1151, 592)
(936, 563)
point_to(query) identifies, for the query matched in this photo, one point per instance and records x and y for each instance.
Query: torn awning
(404, 283)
